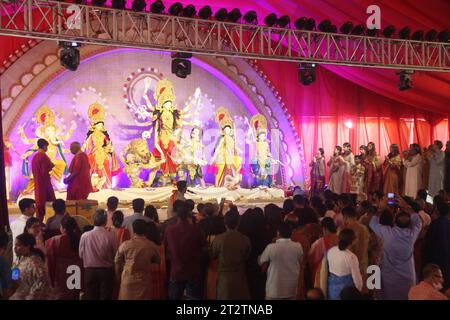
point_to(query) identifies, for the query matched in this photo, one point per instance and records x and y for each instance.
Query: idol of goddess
(261, 158)
(194, 157)
(100, 150)
(226, 154)
(51, 132)
(166, 118)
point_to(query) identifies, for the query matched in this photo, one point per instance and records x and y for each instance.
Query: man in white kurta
(413, 164)
(436, 178)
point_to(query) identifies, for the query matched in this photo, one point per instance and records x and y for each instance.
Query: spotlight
(431, 35)
(189, 11)
(221, 15)
(348, 124)
(69, 55)
(347, 27)
(307, 73)
(271, 20)
(251, 17)
(418, 35)
(372, 32)
(404, 33)
(118, 4)
(99, 3)
(310, 24)
(405, 80)
(138, 5)
(324, 26)
(234, 15)
(301, 23)
(284, 21)
(444, 35)
(181, 65)
(205, 13)
(157, 7)
(389, 31)
(176, 9)
(358, 30)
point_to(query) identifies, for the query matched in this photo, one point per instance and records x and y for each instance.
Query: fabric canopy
(431, 90)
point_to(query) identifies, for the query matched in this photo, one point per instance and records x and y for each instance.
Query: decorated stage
(241, 197)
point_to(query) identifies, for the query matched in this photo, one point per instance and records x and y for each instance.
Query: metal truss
(54, 20)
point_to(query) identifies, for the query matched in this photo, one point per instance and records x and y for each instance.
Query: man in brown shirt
(132, 263)
(232, 249)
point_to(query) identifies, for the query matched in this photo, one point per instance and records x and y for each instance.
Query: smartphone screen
(391, 195)
(15, 274)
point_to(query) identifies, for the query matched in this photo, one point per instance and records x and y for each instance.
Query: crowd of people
(365, 173)
(314, 247)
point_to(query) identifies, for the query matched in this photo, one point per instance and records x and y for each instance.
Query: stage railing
(54, 20)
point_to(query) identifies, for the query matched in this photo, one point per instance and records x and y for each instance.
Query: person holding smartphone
(30, 276)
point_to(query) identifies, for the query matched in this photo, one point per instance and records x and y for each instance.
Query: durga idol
(99, 149)
(167, 118)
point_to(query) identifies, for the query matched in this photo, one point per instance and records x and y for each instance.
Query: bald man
(79, 182)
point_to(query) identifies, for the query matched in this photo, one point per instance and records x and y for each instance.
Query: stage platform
(242, 198)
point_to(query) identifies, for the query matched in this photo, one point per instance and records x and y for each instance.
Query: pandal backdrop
(122, 82)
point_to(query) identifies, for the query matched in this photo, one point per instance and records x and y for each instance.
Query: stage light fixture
(157, 7)
(251, 17)
(118, 4)
(419, 35)
(346, 28)
(271, 20)
(176, 9)
(221, 15)
(307, 73)
(69, 55)
(205, 13)
(99, 3)
(181, 65)
(405, 80)
(348, 124)
(284, 21)
(404, 33)
(310, 24)
(444, 35)
(324, 26)
(358, 30)
(300, 23)
(431, 35)
(372, 32)
(333, 29)
(138, 5)
(389, 31)
(234, 15)
(189, 11)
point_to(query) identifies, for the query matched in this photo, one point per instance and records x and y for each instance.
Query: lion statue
(136, 156)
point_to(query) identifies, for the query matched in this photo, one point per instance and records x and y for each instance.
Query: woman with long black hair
(62, 252)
